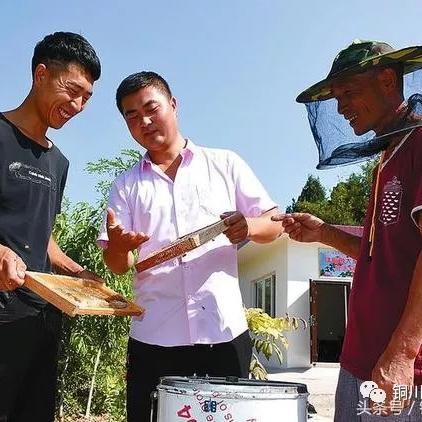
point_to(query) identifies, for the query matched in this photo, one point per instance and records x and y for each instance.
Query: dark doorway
(328, 300)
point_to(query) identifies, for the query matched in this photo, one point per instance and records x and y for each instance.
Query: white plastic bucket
(192, 399)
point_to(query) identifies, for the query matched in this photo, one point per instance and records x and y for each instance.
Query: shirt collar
(188, 151)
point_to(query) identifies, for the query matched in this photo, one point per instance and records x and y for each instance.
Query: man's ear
(173, 103)
(388, 80)
(40, 73)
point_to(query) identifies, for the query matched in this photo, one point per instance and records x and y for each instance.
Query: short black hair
(63, 48)
(140, 80)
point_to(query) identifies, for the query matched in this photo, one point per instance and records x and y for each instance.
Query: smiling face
(61, 93)
(371, 100)
(151, 118)
(362, 101)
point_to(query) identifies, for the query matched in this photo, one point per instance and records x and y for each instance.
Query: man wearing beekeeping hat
(370, 104)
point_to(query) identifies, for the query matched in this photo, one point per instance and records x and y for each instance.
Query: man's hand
(12, 270)
(394, 368)
(237, 226)
(301, 227)
(120, 240)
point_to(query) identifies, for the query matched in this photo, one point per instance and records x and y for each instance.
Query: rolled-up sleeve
(251, 197)
(118, 201)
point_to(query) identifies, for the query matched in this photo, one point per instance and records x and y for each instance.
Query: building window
(264, 294)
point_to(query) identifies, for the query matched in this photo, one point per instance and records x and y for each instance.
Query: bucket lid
(233, 383)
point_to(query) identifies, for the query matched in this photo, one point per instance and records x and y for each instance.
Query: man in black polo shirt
(32, 178)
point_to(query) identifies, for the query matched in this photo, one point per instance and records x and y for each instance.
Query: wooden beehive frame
(182, 245)
(78, 296)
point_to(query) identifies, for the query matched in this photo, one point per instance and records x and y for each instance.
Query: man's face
(361, 101)
(151, 117)
(61, 93)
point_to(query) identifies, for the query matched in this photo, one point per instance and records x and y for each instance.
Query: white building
(309, 281)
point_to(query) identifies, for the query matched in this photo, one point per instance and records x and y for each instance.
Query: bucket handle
(154, 397)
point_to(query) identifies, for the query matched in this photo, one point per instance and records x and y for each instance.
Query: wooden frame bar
(78, 296)
(182, 245)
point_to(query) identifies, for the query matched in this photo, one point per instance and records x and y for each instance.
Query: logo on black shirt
(26, 172)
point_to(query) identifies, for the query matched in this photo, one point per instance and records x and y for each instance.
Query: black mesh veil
(335, 139)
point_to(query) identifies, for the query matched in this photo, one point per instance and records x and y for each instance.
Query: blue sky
(235, 66)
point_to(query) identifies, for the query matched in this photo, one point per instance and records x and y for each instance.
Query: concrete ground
(321, 381)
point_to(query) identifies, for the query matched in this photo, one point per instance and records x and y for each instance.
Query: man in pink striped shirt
(194, 320)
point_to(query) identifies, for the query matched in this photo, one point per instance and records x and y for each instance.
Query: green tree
(313, 192)
(268, 337)
(92, 363)
(110, 168)
(347, 202)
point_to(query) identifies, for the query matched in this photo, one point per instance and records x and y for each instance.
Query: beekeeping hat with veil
(335, 139)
